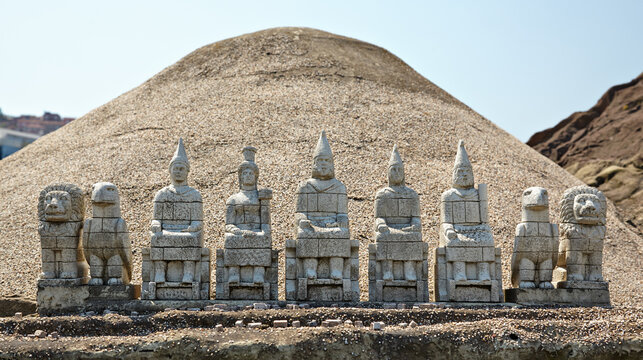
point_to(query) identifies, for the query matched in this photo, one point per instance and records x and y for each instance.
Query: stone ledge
(583, 297)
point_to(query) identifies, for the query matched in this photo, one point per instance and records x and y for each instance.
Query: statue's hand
(305, 224)
(156, 227)
(332, 225)
(451, 235)
(382, 228)
(237, 231)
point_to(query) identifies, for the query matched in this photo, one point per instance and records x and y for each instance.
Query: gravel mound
(276, 90)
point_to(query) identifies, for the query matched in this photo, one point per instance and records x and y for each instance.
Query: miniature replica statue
(398, 261)
(536, 244)
(247, 265)
(322, 264)
(106, 240)
(177, 266)
(467, 262)
(61, 209)
(582, 230)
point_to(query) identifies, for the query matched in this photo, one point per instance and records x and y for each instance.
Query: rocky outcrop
(603, 147)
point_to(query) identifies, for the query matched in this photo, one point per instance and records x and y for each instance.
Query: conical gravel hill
(276, 90)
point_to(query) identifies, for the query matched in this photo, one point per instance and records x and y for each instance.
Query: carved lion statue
(582, 231)
(61, 203)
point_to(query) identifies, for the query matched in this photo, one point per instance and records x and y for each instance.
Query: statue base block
(114, 292)
(51, 299)
(583, 297)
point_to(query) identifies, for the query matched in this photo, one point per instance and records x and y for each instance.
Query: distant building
(39, 125)
(12, 141)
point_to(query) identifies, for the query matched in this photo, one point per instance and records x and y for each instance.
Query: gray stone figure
(582, 231)
(177, 266)
(247, 265)
(399, 257)
(322, 263)
(536, 244)
(106, 239)
(61, 209)
(467, 261)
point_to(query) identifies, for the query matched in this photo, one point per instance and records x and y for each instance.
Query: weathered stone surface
(247, 267)
(582, 230)
(114, 292)
(467, 266)
(60, 211)
(55, 298)
(398, 257)
(177, 266)
(536, 243)
(322, 252)
(571, 296)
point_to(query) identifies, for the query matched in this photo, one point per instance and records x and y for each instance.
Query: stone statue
(536, 243)
(323, 245)
(106, 239)
(399, 256)
(177, 263)
(468, 262)
(582, 230)
(248, 263)
(61, 209)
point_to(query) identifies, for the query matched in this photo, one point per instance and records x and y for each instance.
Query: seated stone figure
(61, 209)
(106, 239)
(467, 262)
(536, 244)
(399, 256)
(582, 231)
(177, 266)
(323, 246)
(247, 266)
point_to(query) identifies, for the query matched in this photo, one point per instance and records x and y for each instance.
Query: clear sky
(523, 65)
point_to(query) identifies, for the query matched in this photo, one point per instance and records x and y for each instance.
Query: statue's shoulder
(384, 193)
(192, 195)
(451, 195)
(339, 186)
(163, 195)
(305, 187)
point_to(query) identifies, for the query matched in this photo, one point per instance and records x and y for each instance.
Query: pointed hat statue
(462, 158)
(322, 148)
(395, 159)
(180, 155)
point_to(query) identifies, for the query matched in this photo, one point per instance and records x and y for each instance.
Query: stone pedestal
(114, 292)
(398, 289)
(446, 288)
(246, 288)
(583, 297)
(299, 287)
(199, 289)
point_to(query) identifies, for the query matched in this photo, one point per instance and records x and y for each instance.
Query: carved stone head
(248, 171)
(323, 166)
(583, 205)
(61, 203)
(105, 193)
(462, 169)
(395, 169)
(535, 198)
(179, 166)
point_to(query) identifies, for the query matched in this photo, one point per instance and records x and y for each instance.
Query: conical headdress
(180, 155)
(249, 153)
(322, 148)
(395, 159)
(461, 158)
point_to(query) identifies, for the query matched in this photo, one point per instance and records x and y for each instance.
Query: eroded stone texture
(106, 239)
(467, 262)
(582, 230)
(61, 209)
(398, 261)
(322, 263)
(536, 243)
(177, 266)
(247, 265)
